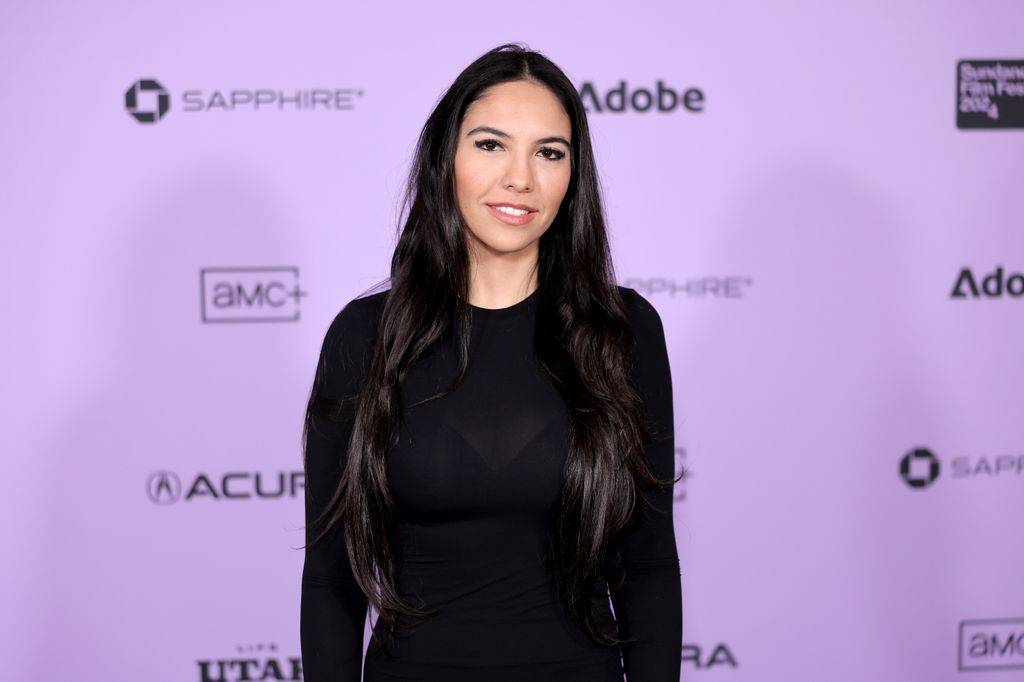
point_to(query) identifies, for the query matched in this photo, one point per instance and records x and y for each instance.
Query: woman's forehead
(518, 107)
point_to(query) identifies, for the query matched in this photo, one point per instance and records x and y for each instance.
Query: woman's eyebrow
(488, 129)
(554, 138)
(499, 133)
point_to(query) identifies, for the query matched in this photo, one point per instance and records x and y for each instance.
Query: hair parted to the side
(583, 342)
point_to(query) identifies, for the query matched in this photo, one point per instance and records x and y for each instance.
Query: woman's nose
(519, 174)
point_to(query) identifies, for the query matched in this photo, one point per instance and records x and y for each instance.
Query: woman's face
(512, 152)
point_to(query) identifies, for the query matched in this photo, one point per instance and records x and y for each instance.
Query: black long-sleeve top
(473, 475)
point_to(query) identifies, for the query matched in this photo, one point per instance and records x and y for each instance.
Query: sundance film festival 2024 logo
(250, 294)
(921, 468)
(148, 101)
(990, 93)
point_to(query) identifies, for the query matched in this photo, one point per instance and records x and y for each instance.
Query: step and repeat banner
(823, 201)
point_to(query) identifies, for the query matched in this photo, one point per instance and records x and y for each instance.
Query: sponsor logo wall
(842, 323)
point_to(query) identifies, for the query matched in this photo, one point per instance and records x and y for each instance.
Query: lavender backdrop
(802, 229)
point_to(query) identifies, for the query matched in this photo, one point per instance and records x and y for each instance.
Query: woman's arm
(648, 604)
(333, 608)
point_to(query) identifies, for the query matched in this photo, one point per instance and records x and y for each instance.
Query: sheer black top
(473, 476)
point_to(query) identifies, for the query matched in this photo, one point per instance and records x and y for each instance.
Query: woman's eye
(555, 154)
(485, 144)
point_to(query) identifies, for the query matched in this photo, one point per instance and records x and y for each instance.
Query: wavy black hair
(583, 342)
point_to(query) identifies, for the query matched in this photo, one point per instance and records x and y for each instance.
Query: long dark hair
(583, 342)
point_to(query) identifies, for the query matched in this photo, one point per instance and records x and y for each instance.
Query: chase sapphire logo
(708, 287)
(147, 101)
(919, 468)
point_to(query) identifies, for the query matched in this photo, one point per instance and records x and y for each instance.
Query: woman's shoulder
(651, 367)
(360, 315)
(347, 344)
(643, 316)
(354, 327)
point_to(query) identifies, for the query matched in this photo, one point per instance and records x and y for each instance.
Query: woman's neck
(501, 280)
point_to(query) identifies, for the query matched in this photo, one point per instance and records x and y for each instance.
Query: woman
(489, 442)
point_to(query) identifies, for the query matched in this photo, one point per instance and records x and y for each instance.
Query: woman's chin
(505, 240)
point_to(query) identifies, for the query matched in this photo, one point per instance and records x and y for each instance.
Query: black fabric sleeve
(648, 602)
(332, 606)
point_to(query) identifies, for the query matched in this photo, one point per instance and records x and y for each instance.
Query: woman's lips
(509, 219)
